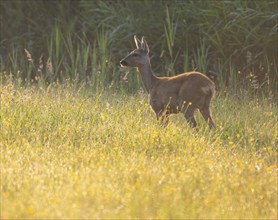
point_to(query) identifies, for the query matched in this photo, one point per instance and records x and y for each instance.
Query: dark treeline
(233, 40)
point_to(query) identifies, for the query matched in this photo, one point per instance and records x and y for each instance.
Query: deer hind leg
(207, 116)
(189, 114)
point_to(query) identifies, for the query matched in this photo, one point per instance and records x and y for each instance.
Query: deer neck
(147, 75)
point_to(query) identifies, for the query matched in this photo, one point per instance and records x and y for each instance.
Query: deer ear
(137, 41)
(145, 45)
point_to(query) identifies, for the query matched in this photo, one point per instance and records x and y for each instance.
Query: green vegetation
(69, 152)
(85, 40)
(78, 139)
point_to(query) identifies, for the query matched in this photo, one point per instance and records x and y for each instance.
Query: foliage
(85, 40)
(86, 148)
(73, 153)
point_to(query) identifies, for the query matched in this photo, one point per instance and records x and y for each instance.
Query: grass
(74, 152)
(77, 154)
(86, 39)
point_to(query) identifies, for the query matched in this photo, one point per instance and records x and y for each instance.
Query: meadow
(72, 152)
(78, 138)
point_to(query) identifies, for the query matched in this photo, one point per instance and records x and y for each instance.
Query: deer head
(139, 56)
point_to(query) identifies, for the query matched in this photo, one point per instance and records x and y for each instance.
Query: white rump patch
(206, 89)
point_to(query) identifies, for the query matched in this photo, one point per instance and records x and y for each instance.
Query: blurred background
(234, 42)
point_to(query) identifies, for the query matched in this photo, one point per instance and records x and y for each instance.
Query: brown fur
(184, 93)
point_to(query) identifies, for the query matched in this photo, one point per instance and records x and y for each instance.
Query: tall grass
(69, 152)
(212, 36)
(77, 141)
(170, 33)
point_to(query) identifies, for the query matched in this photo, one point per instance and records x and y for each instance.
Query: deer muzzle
(123, 63)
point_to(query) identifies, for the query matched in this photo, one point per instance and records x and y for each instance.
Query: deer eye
(136, 54)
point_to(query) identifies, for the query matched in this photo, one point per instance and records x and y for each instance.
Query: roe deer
(184, 93)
